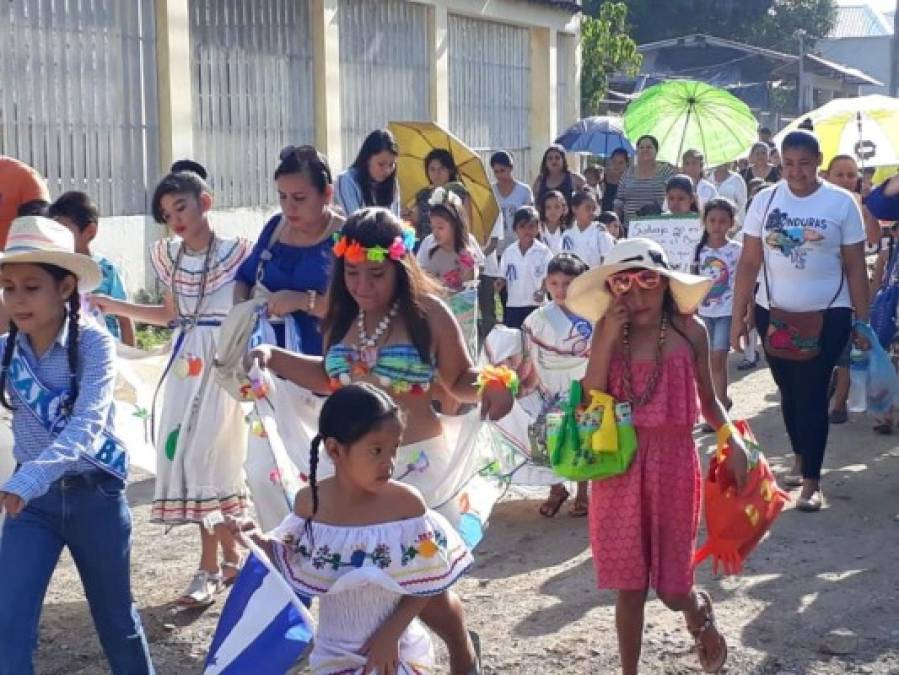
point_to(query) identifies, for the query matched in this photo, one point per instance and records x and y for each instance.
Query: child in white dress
(368, 547)
(201, 436)
(559, 344)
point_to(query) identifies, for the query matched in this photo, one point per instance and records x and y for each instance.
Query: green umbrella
(685, 114)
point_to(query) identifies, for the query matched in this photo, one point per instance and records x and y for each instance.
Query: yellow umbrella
(416, 140)
(866, 128)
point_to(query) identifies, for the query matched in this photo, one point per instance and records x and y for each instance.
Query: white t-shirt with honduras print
(801, 240)
(719, 265)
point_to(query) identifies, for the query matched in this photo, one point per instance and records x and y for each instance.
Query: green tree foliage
(765, 23)
(606, 48)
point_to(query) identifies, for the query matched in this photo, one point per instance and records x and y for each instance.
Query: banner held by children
(678, 234)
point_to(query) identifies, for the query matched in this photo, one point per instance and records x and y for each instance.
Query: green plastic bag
(572, 437)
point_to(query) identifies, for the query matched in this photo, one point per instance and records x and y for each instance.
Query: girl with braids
(368, 546)
(201, 437)
(57, 378)
(648, 349)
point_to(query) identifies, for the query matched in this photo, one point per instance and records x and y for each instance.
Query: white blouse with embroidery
(360, 574)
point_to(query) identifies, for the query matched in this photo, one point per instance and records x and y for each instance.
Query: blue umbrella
(597, 136)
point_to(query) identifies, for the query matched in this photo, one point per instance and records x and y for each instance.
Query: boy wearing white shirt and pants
(523, 268)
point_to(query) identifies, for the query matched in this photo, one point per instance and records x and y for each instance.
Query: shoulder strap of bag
(266, 253)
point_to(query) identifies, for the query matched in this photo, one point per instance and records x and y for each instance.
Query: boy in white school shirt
(523, 268)
(587, 240)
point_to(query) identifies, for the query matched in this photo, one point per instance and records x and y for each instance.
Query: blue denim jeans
(89, 515)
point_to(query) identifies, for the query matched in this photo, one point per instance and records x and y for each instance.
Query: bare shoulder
(437, 310)
(302, 503)
(407, 501)
(693, 329)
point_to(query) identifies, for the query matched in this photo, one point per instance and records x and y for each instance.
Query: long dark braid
(313, 486)
(8, 351)
(72, 348)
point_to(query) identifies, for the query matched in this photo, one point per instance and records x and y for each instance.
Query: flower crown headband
(355, 253)
(441, 196)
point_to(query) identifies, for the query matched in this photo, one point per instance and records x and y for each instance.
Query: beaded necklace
(367, 346)
(654, 377)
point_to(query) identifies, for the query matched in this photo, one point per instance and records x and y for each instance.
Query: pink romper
(644, 523)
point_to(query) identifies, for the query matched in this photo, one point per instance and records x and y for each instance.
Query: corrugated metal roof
(567, 5)
(859, 20)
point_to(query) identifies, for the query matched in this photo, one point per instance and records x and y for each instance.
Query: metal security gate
(384, 67)
(251, 65)
(78, 96)
(489, 87)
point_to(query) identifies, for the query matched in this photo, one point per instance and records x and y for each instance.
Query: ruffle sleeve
(418, 556)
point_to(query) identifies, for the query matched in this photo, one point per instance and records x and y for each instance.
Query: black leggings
(804, 388)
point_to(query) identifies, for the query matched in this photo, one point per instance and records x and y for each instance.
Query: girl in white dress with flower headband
(201, 437)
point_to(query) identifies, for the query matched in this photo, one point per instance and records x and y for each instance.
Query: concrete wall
(869, 54)
(126, 240)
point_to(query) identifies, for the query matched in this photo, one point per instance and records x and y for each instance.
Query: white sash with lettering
(106, 451)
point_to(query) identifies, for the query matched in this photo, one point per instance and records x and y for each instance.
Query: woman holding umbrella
(555, 175)
(644, 183)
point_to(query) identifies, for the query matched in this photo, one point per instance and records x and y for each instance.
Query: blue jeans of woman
(88, 514)
(805, 388)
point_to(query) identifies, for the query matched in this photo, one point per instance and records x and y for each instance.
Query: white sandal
(201, 590)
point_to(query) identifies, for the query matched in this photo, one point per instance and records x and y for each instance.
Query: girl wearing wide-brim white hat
(57, 378)
(650, 350)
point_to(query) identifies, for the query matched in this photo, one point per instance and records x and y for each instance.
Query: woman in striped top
(644, 184)
(201, 436)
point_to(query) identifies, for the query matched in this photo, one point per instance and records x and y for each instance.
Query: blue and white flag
(264, 628)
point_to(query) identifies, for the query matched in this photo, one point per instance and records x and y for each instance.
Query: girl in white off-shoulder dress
(378, 559)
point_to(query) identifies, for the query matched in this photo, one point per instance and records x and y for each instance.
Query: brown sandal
(579, 508)
(558, 495)
(705, 662)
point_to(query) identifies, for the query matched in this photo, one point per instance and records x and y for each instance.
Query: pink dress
(643, 524)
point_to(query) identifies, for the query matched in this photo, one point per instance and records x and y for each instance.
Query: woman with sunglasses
(649, 349)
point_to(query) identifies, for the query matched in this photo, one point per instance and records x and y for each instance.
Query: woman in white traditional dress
(201, 436)
(385, 325)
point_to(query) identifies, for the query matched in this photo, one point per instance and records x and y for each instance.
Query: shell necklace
(367, 347)
(654, 377)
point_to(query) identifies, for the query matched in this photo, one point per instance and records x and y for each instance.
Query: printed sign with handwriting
(677, 233)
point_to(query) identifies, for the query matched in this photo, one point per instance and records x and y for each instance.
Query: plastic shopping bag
(881, 381)
(736, 522)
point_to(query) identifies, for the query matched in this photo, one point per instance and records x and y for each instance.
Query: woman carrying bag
(806, 238)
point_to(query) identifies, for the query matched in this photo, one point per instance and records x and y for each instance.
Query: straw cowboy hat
(589, 295)
(36, 240)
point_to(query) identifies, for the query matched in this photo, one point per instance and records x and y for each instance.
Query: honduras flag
(264, 628)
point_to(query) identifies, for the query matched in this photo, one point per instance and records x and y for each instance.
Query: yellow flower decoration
(428, 548)
(498, 376)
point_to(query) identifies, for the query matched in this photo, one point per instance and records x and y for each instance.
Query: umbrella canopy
(597, 136)
(684, 114)
(866, 128)
(416, 140)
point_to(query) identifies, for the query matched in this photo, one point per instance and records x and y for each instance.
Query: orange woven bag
(736, 522)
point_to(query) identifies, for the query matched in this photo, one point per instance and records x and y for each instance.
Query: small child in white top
(716, 258)
(449, 253)
(587, 241)
(555, 219)
(523, 268)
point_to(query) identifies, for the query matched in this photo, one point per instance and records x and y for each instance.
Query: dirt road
(532, 595)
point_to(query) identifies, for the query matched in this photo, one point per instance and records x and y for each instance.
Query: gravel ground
(820, 583)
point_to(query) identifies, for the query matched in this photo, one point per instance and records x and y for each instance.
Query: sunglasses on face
(622, 282)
